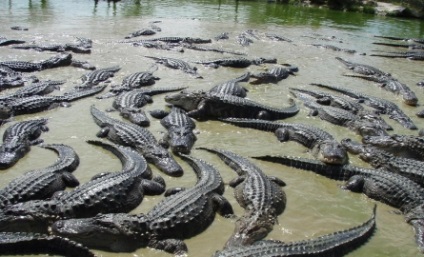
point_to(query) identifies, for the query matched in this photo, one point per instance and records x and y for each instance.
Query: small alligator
(137, 80)
(274, 75)
(17, 140)
(362, 68)
(411, 55)
(37, 88)
(382, 105)
(190, 40)
(43, 183)
(97, 76)
(141, 32)
(5, 42)
(179, 136)
(335, 48)
(22, 243)
(335, 244)
(236, 62)
(179, 216)
(243, 39)
(177, 64)
(203, 105)
(363, 124)
(392, 85)
(261, 197)
(416, 40)
(387, 187)
(76, 48)
(409, 46)
(222, 36)
(129, 103)
(211, 49)
(53, 62)
(276, 37)
(322, 145)
(36, 103)
(129, 134)
(109, 192)
(232, 87)
(383, 160)
(408, 146)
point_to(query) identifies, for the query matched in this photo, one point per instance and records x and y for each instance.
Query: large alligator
(362, 68)
(387, 187)
(408, 146)
(392, 85)
(335, 244)
(363, 124)
(129, 103)
(383, 160)
(334, 48)
(17, 140)
(37, 88)
(179, 136)
(260, 195)
(232, 86)
(43, 183)
(5, 41)
(177, 64)
(204, 105)
(211, 49)
(322, 145)
(236, 62)
(179, 216)
(36, 103)
(76, 48)
(22, 243)
(141, 32)
(411, 55)
(63, 59)
(274, 75)
(137, 80)
(109, 192)
(129, 134)
(382, 105)
(97, 76)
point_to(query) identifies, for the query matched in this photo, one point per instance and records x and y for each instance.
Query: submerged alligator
(20, 243)
(181, 215)
(387, 187)
(322, 145)
(17, 140)
(274, 75)
(177, 64)
(362, 68)
(129, 134)
(43, 183)
(411, 55)
(203, 105)
(260, 195)
(109, 192)
(335, 244)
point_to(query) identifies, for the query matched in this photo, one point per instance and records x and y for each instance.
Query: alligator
(5, 42)
(38, 88)
(189, 40)
(109, 192)
(97, 76)
(409, 46)
(129, 103)
(382, 105)
(19, 28)
(222, 36)
(236, 62)
(420, 83)
(261, 197)
(203, 105)
(392, 85)
(337, 243)
(159, 45)
(179, 216)
(53, 62)
(335, 48)
(177, 64)
(387, 187)
(76, 48)
(243, 40)
(322, 145)
(36, 103)
(137, 80)
(43, 183)
(17, 140)
(141, 32)
(274, 75)
(383, 160)
(411, 55)
(179, 136)
(362, 68)
(232, 87)
(416, 40)
(82, 64)
(408, 146)
(22, 243)
(363, 124)
(276, 37)
(129, 134)
(211, 49)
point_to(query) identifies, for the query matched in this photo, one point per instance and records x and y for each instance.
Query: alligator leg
(200, 111)
(173, 246)
(263, 115)
(173, 191)
(282, 134)
(355, 184)
(151, 187)
(222, 205)
(277, 181)
(418, 225)
(236, 181)
(69, 179)
(103, 132)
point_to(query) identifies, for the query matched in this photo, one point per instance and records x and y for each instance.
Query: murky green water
(316, 205)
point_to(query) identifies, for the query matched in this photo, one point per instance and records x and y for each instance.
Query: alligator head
(162, 159)
(112, 232)
(20, 223)
(181, 140)
(136, 116)
(330, 152)
(352, 146)
(262, 60)
(11, 152)
(185, 100)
